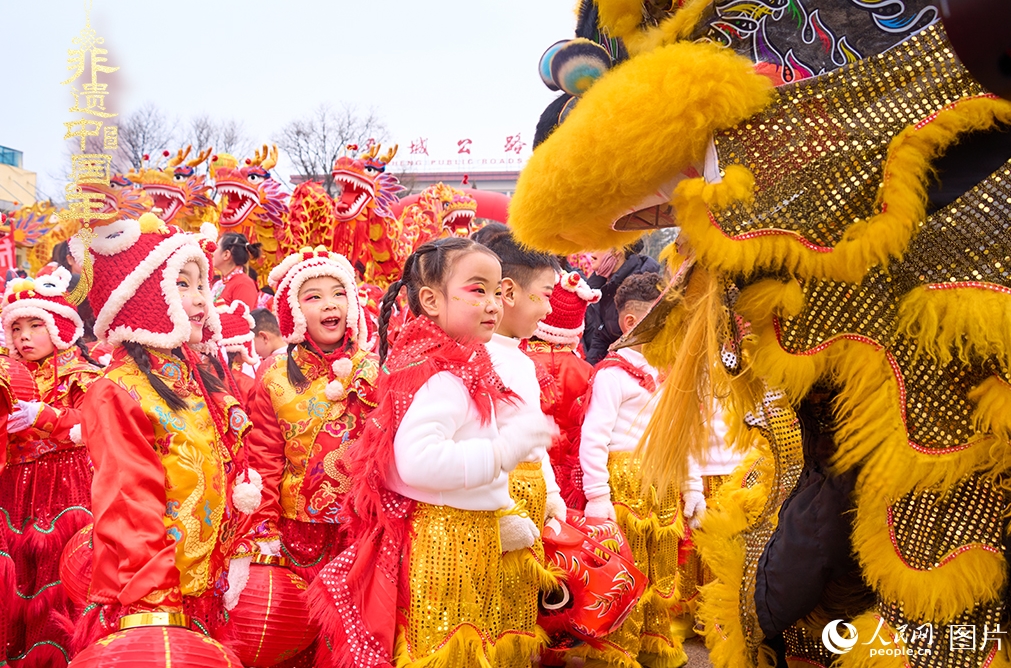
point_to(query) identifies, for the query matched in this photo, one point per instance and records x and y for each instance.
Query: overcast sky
(443, 70)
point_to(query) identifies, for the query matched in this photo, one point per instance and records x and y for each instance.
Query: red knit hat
(43, 298)
(136, 264)
(287, 278)
(237, 330)
(565, 323)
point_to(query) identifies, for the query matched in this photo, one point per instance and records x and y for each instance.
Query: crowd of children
(408, 483)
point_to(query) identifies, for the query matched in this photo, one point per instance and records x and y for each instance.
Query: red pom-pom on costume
(271, 622)
(159, 646)
(75, 566)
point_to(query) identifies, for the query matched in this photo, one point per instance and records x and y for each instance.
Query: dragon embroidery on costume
(367, 229)
(122, 198)
(181, 195)
(440, 211)
(252, 203)
(851, 312)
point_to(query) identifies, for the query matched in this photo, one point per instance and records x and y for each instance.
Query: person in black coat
(602, 318)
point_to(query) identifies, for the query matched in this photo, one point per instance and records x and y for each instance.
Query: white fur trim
(242, 308)
(335, 266)
(559, 335)
(42, 309)
(75, 434)
(174, 252)
(573, 282)
(238, 578)
(209, 231)
(279, 272)
(53, 284)
(115, 237)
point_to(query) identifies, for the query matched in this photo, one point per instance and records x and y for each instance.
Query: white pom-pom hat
(43, 298)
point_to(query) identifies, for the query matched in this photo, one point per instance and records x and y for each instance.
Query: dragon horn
(180, 156)
(269, 160)
(389, 154)
(371, 153)
(203, 155)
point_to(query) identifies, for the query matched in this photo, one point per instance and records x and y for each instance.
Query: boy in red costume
(553, 347)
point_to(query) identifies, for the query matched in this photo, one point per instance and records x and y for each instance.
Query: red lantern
(22, 381)
(271, 622)
(156, 640)
(76, 565)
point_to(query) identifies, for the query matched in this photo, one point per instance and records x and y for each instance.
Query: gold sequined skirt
(453, 617)
(654, 527)
(524, 571)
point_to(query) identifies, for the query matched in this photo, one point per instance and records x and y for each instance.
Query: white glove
(555, 507)
(695, 508)
(238, 577)
(600, 507)
(271, 548)
(516, 533)
(23, 416)
(525, 440)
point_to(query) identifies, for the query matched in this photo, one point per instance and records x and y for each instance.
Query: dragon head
(453, 209)
(363, 184)
(249, 194)
(177, 190)
(122, 197)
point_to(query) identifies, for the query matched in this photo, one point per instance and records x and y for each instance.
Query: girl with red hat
(307, 407)
(164, 437)
(45, 491)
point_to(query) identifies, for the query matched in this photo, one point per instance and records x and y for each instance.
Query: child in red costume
(164, 437)
(237, 345)
(45, 493)
(431, 512)
(308, 406)
(8, 577)
(553, 347)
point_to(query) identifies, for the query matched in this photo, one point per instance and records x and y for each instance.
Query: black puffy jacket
(602, 318)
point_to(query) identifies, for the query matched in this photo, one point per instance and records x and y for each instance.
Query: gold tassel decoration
(83, 287)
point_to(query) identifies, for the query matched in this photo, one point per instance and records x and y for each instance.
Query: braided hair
(87, 355)
(428, 266)
(175, 402)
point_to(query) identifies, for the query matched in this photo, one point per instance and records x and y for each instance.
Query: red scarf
(355, 596)
(612, 360)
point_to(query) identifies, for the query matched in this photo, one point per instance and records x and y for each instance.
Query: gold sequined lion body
(868, 320)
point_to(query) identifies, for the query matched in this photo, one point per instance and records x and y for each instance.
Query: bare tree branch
(146, 131)
(224, 136)
(314, 142)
